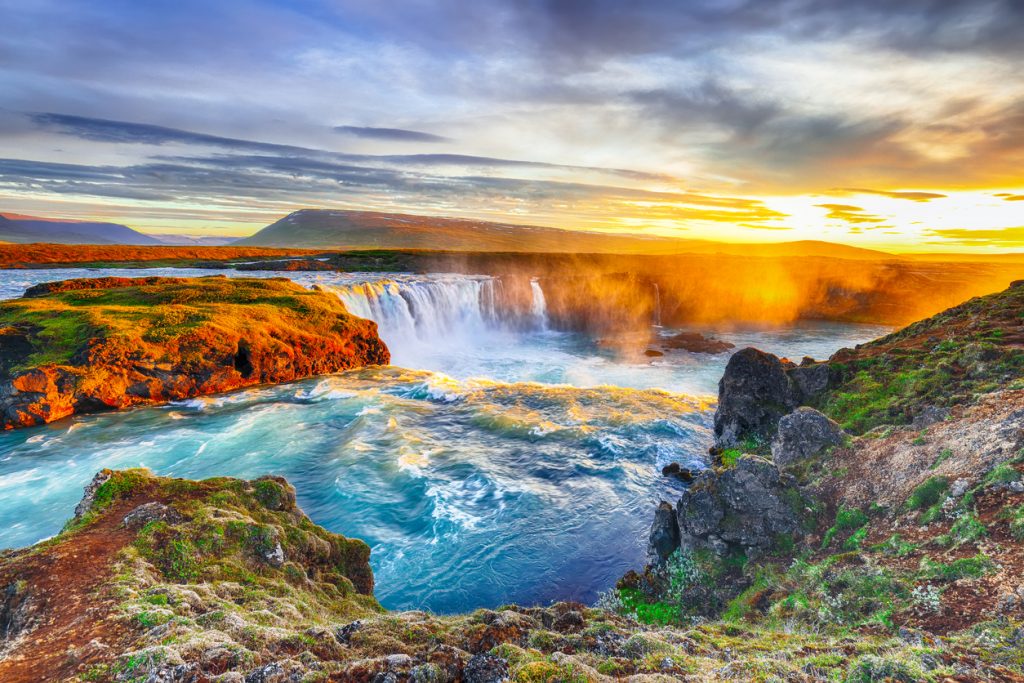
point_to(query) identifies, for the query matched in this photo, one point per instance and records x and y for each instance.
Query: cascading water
(539, 305)
(416, 315)
(657, 305)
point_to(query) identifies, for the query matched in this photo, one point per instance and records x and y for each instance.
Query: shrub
(964, 568)
(928, 493)
(871, 668)
(847, 519)
(730, 456)
(966, 529)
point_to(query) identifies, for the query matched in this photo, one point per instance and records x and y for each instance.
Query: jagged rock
(810, 378)
(274, 556)
(929, 416)
(15, 610)
(148, 512)
(485, 668)
(344, 633)
(268, 673)
(746, 507)
(753, 394)
(664, 537)
(802, 434)
(89, 495)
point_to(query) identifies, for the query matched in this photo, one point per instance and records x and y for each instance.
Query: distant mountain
(177, 240)
(26, 229)
(315, 228)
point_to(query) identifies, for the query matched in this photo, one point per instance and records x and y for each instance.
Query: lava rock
(745, 507)
(803, 434)
(809, 378)
(753, 395)
(485, 668)
(150, 512)
(664, 536)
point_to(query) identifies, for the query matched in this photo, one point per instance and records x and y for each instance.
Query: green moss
(847, 519)
(963, 568)
(943, 456)
(928, 493)
(730, 456)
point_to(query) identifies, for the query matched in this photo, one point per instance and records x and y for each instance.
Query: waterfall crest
(430, 310)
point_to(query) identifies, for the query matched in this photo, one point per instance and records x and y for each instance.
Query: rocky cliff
(90, 345)
(883, 488)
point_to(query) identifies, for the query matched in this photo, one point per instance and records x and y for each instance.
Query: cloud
(850, 214)
(393, 134)
(911, 196)
(124, 132)
(999, 237)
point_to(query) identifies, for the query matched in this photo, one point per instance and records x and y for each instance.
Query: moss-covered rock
(101, 344)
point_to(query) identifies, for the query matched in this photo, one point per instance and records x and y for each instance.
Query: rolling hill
(28, 229)
(329, 229)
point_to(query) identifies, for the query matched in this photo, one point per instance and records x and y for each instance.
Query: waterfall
(657, 305)
(539, 305)
(428, 312)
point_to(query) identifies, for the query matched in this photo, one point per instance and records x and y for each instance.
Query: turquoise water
(511, 465)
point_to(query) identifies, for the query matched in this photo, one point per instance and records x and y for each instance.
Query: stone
(274, 556)
(676, 470)
(929, 416)
(959, 488)
(695, 342)
(569, 622)
(653, 353)
(746, 507)
(664, 536)
(149, 512)
(803, 434)
(344, 633)
(753, 395)
(486, 668)
(811, 379)
(89, 495)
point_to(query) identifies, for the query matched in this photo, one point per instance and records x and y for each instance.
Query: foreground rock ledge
(89, 345)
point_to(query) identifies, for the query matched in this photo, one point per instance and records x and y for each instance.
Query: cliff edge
(90, 345)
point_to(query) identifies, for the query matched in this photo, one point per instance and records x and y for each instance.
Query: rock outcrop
(101, 344)
(803, 434)
(745, 508)
(695, 342)
(757, 390)
(753, 394)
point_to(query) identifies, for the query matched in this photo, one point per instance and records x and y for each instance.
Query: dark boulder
(803, 434)
(746, 507)
(676, 470)
(810, 379)
(753, 394)
(664, 537)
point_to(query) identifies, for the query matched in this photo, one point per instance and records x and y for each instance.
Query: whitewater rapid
(497, 461)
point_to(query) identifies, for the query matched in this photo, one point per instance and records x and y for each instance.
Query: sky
(893, 125)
